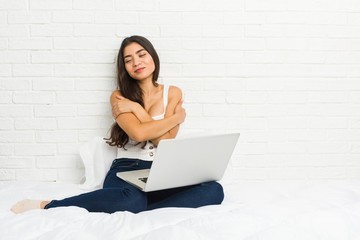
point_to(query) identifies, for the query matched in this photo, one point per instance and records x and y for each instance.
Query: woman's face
(138, 62)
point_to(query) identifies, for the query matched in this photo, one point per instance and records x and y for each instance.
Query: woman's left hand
(122, 105)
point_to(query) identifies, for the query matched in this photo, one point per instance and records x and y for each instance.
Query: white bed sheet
(251, 211)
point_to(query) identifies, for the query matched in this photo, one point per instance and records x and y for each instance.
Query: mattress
(251, 211)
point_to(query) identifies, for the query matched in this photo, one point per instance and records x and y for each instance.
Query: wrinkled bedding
(251, 211)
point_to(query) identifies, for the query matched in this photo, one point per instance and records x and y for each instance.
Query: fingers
(122, 105)
(115, 110)
(115, 113)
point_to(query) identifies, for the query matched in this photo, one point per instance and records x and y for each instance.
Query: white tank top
(135, 149)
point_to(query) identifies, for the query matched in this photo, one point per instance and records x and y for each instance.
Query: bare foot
(28, 204)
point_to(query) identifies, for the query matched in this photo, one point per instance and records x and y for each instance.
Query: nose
(136, 62)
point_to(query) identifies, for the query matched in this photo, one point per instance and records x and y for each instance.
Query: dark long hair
(129, 87)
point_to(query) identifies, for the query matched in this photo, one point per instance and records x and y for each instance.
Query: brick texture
(285, 74)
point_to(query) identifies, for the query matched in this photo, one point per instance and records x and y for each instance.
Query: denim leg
(210, 193)
(116, 195)
(107, 200)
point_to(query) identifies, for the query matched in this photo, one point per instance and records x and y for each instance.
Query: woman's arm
(174, 105)
(142, 131)
(121, 105)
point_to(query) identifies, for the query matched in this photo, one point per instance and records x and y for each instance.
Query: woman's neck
(148, 88)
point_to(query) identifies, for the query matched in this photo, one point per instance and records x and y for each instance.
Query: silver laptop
(185, 161)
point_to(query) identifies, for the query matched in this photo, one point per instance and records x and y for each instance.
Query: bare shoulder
(174, 97)
(175, 93)
(114, 94)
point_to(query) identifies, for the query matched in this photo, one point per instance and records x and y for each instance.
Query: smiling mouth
(139, 70)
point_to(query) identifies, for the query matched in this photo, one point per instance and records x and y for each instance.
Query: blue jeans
(118, 195)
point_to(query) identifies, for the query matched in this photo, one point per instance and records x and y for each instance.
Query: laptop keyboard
(144, 179)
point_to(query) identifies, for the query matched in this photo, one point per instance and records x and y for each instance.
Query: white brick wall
(286, 74)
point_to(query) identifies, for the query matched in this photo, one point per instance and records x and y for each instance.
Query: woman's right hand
(122, 105)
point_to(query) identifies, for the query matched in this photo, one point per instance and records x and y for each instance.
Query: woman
(145, 112)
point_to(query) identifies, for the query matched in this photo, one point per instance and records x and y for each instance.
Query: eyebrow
(136, 52)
